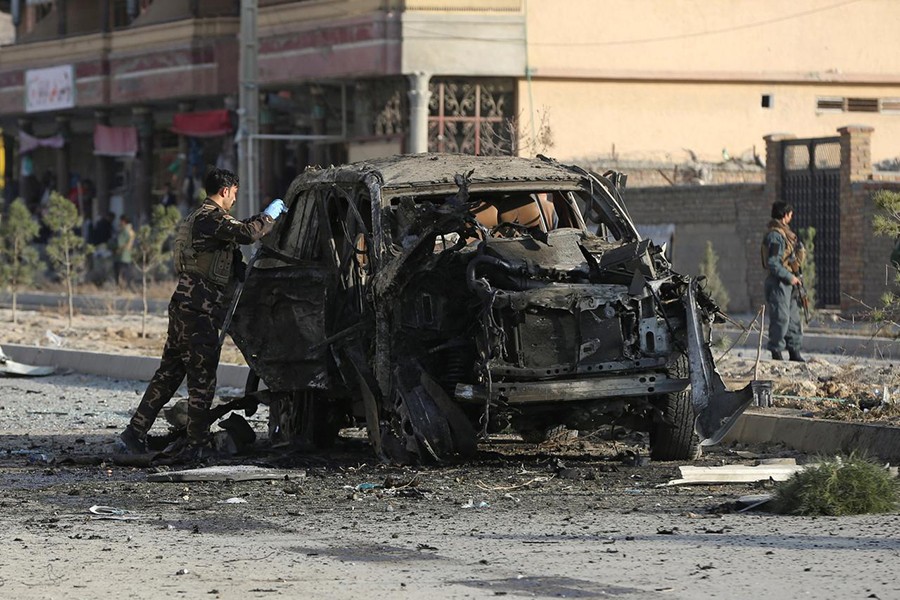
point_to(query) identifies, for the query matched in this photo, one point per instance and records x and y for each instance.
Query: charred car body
(442, 297)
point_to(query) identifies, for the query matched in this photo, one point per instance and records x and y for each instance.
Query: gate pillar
(856, 167)
(774, 166)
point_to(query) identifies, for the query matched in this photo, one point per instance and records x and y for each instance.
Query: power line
(667, 38)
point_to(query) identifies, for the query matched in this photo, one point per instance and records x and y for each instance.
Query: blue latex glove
(275, 208)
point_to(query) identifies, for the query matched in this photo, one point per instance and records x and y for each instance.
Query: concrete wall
(873, 252)
(732, 217)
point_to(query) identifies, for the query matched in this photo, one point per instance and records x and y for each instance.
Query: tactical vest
(792, 258)
(214, 265)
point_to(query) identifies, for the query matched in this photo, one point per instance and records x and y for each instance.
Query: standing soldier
(782, 257)
(207, 260)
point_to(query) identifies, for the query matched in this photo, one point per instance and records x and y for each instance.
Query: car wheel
(305, 419)
(672, 434)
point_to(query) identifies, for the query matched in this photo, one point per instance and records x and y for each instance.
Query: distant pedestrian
(103, 229)
(782, 257)
(123, 259)
(168, 198)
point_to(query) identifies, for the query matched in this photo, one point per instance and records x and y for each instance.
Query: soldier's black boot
(134, 442)
(795, 356)
(776, 355)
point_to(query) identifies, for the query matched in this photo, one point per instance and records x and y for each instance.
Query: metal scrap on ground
(225, 473)
(776, 470)
(17, 369)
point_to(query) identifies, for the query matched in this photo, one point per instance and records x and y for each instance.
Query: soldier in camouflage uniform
(207, 260)
(782, 256)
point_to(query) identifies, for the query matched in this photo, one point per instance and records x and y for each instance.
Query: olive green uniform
(206, 258)
(785, 327)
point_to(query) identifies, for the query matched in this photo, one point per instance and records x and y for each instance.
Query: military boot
(133, 441)
(795, 356)
(776, 355)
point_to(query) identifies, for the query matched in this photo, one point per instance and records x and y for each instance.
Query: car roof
(411, 170)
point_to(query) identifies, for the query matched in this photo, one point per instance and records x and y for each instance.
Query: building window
(472, 117)
(766, 101)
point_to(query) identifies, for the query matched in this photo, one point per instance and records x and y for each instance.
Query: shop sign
(49, 89)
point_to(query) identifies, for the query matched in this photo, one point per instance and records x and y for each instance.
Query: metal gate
(812, 184)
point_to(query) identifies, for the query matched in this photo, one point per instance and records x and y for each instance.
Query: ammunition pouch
(214, 266)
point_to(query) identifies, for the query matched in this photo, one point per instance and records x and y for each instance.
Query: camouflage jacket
(214, 229)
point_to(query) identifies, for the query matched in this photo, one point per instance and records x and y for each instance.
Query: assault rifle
(803, 299)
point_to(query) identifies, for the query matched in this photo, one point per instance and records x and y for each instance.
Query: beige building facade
(650, 78)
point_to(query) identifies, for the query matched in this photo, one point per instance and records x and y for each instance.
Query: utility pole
(248, 111)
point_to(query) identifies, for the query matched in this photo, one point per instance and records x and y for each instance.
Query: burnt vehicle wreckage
(439, 298)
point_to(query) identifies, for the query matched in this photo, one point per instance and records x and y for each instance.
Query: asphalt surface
(580, 520)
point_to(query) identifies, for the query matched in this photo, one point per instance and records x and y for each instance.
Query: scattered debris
(111, 513)
(776, 471)
(225, 473)
(12, 368)
(234, 500)
(471, 504)
(752, 501)
(54, 339)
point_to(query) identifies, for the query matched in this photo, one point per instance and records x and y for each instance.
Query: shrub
(808, 237)
(19, 261)
(67, 250)
(709, 268)
(838, 486)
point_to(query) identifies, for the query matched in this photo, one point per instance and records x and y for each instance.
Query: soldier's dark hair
(780, 209)
(216, 179)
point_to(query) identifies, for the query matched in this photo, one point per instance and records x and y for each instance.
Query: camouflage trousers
(192, 350)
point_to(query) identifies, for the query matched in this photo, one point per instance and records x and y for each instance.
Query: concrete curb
(817, 435)
(111, 365)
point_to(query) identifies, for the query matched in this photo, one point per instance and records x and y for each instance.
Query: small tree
(19, 260)
(709, 268)
(808, 237)
(67, 250)
(887, 223)
(149, 244)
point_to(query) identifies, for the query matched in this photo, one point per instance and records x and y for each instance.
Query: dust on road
(576, 520)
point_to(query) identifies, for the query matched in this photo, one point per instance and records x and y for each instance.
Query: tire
(672, 434)
(289, 415)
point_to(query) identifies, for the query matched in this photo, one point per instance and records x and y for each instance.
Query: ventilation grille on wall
(890, 105)
(840, 104)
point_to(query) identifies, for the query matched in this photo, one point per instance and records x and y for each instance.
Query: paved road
(591, 527)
